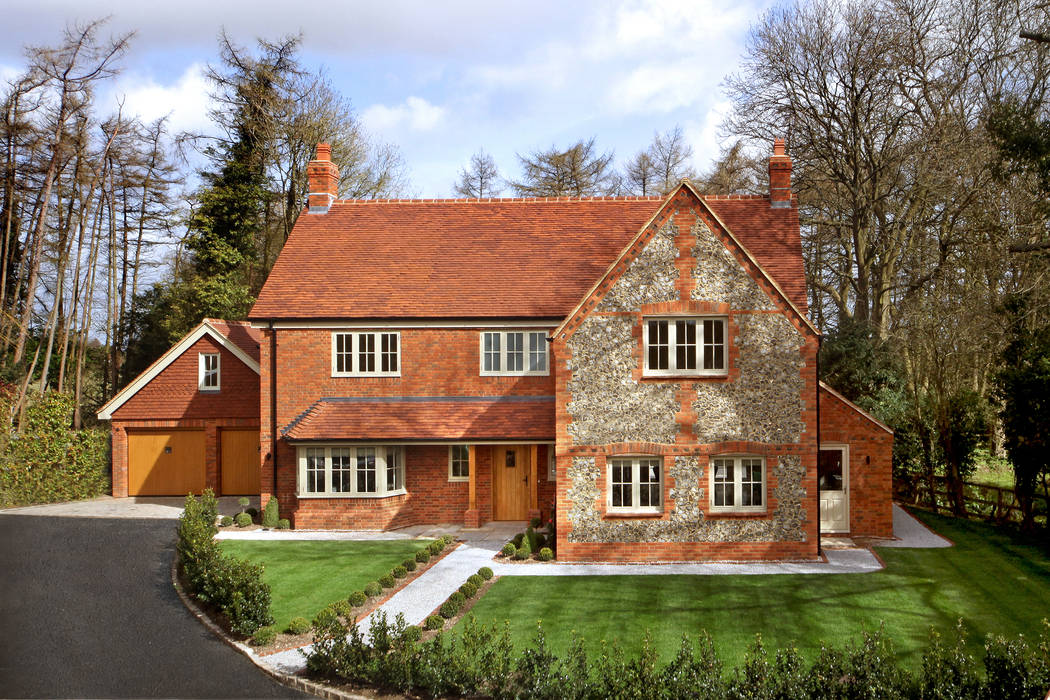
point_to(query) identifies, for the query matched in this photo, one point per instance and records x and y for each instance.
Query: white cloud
(415, 114)
(185, 102)
(8, 74)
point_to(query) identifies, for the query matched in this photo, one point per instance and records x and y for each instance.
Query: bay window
(351, 471)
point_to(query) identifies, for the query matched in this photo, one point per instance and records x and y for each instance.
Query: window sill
(366, 375)
(209, 390)
(737, 513)
(690, 377)
(634, 513)
(458, 479)
(359, 496)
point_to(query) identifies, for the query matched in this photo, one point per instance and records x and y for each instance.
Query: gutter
(273, 406)
(820, 342)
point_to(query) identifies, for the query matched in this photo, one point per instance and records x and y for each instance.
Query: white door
(833, 476)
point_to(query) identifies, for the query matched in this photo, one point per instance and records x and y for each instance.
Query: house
(641, 369)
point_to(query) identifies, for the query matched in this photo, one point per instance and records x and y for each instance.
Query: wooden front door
(833, 476)
(239, 462)
(510, 482)
(166, 464)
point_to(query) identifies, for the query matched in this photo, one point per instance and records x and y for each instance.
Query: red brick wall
(870, 465)
(172, 400)
(685, 211)
(434, 362)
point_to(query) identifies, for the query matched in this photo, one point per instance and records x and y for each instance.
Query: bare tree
(481, 180)
(735, 172)
(660, 167)
(578, 171)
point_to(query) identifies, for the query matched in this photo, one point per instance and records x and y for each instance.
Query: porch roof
(425, 418)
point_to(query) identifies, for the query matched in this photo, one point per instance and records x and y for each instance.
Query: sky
(443, 79)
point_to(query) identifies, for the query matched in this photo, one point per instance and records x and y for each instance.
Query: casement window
(371, 471)
(208, 371)
(369, 354)
(738, 484)
(552, 464)
(635, 485)
(514, 353)
(677, 346)
(459, 463)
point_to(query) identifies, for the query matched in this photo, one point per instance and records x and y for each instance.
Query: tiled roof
(240, 334)
(499, 258)
(416, 418)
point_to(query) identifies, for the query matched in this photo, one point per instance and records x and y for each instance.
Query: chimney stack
(324, 180)
(779, 176)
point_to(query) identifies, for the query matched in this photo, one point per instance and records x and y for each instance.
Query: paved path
(87, 609)
(912, 533)
(161, 507)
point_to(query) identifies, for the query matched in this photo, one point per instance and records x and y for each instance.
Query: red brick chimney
(324, 180)
(779, 176)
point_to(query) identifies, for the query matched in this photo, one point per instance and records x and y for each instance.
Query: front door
(510, 482)
(833, 476)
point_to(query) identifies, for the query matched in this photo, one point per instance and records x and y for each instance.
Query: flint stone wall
(765, 403)
(649, 278)
(686, 521)
(719, 277)
(608, 404)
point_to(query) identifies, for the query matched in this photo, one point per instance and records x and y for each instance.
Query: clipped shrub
(423, 556)
(326, 619)
(412, 634)
(409, 564)
(226, 521)
(299, 625)
(284, 524)
(534, 523)
(448, 539)
(485, 573)
(545, 554)
(468, 589)
(476, 580)
(524, 551)
(243, 502)
(386, 581)
(343, 609)
(448, 610)
(436, 547)
(509, 549)
(243, 520)
(534, 540)
(399, 572)
(372, 589)
(357, 599)
(435, 622)
(517, 539)
(271, 515)
(458, 598)
(264, 636)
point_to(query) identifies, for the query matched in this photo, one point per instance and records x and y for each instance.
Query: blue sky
(443, 79)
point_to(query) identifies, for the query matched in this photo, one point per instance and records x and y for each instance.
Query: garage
(166, 463)
(239, 462)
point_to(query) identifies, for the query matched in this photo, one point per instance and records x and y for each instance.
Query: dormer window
(685, 346)
(208, 371)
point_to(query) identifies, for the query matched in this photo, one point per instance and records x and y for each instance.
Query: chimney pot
(779, 176)
(323, 177)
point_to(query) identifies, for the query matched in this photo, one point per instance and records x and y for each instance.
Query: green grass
(306, 576)
(995, 583)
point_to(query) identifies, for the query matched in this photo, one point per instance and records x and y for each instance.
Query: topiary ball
(284, 524)
(299, 625)
(372, 589)
(413, 633)
(435, 622)
(226, 521)
(357, 598)
(485, 573)
(436, 547)
(546, 554)
(448, 610)
(423, 556)
(264, 636)
(476, 580)
(343, 609)
(386, 581)
(468, 589)
(409, 564)
(509, 549)
(399, 572)
(243, 520)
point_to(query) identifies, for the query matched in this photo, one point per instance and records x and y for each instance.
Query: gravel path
(911, 533)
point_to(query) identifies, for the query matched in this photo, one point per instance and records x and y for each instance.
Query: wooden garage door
(239, 462)
(166, 464)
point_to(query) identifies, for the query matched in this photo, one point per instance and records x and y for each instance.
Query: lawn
(306, 576)
(995, 583)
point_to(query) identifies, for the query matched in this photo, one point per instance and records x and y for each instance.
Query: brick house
(640, 368)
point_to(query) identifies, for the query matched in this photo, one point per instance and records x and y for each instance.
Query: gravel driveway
(87, 609)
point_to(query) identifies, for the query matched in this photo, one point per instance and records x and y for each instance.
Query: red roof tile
(240, 334)
(500, 258)
(415, 418)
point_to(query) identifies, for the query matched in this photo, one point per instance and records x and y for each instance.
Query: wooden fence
(981, 501)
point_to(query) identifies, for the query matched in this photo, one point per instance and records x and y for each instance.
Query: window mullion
(672, 345)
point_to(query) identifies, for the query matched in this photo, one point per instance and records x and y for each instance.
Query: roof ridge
(504, 200)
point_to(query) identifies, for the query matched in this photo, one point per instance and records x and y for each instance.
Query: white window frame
(737, 460)
(202, 371)
(382, 454)
(633, 509)
(452, 476)
(527, 352)
(357, 338)
(552, 464)
(672, 344)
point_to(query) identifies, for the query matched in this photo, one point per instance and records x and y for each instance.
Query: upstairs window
(738, 484)
(208, 371)
(677, 346)
(635, 485)
(514, 353)
(369, 354)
